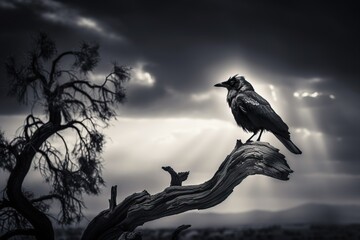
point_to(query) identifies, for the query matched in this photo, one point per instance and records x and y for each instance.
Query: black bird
(253, 113)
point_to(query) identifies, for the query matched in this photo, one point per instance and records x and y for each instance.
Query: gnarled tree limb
(176, 178)
(112, 200)
(245, 160)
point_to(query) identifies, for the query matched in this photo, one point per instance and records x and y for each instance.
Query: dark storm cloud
(182, 41)
(297, 37)
(186, 38)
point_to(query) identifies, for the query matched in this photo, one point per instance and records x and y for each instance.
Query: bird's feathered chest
(231, 96)
(239, 112)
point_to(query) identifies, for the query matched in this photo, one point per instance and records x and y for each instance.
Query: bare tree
(59, 84)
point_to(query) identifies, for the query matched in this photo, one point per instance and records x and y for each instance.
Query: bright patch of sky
(142, 77)
(310, 94)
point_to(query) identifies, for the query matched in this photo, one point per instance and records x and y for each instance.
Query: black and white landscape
(303, 57)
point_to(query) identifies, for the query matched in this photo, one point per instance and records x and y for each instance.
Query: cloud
(142, 77)
(7, 5)
(306, 94)
(89, 23)
(60, 13)
(96, 77)
(72, 19)
(307, 133)
(273, 92)
(200, 97)
(85, 23)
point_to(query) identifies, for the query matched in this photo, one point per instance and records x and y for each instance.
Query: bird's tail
(289, 144)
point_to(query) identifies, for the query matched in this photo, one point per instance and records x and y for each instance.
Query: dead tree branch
(245, 160)
(112, 200)
(176, 178)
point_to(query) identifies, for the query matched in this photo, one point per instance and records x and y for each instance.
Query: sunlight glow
(88, 23)
(142, 77)
(315, 80)
(185, 144)
(315, 155)
(308, 94)
(232, 66)
(306, 132)
(273, 93)
(200, 97)
(97, 77)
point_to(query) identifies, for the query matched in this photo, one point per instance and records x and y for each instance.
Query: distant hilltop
(303, 214)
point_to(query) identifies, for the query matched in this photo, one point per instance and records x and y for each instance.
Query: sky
(303, 57)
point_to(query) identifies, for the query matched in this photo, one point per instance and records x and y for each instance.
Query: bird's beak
(223, 84)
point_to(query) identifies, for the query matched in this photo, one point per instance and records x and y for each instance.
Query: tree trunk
(43, 229)
(245, 160)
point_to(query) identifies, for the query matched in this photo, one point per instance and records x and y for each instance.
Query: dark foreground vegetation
(294, 232)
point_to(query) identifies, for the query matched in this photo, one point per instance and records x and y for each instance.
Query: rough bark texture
(245, 160)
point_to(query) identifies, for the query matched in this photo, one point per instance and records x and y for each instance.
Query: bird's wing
(259, 111)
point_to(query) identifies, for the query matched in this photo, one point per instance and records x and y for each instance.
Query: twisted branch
(245, 160)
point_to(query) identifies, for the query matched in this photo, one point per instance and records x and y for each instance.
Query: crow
(253, 113)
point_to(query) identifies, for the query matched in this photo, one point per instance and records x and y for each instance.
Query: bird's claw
(249, 141)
